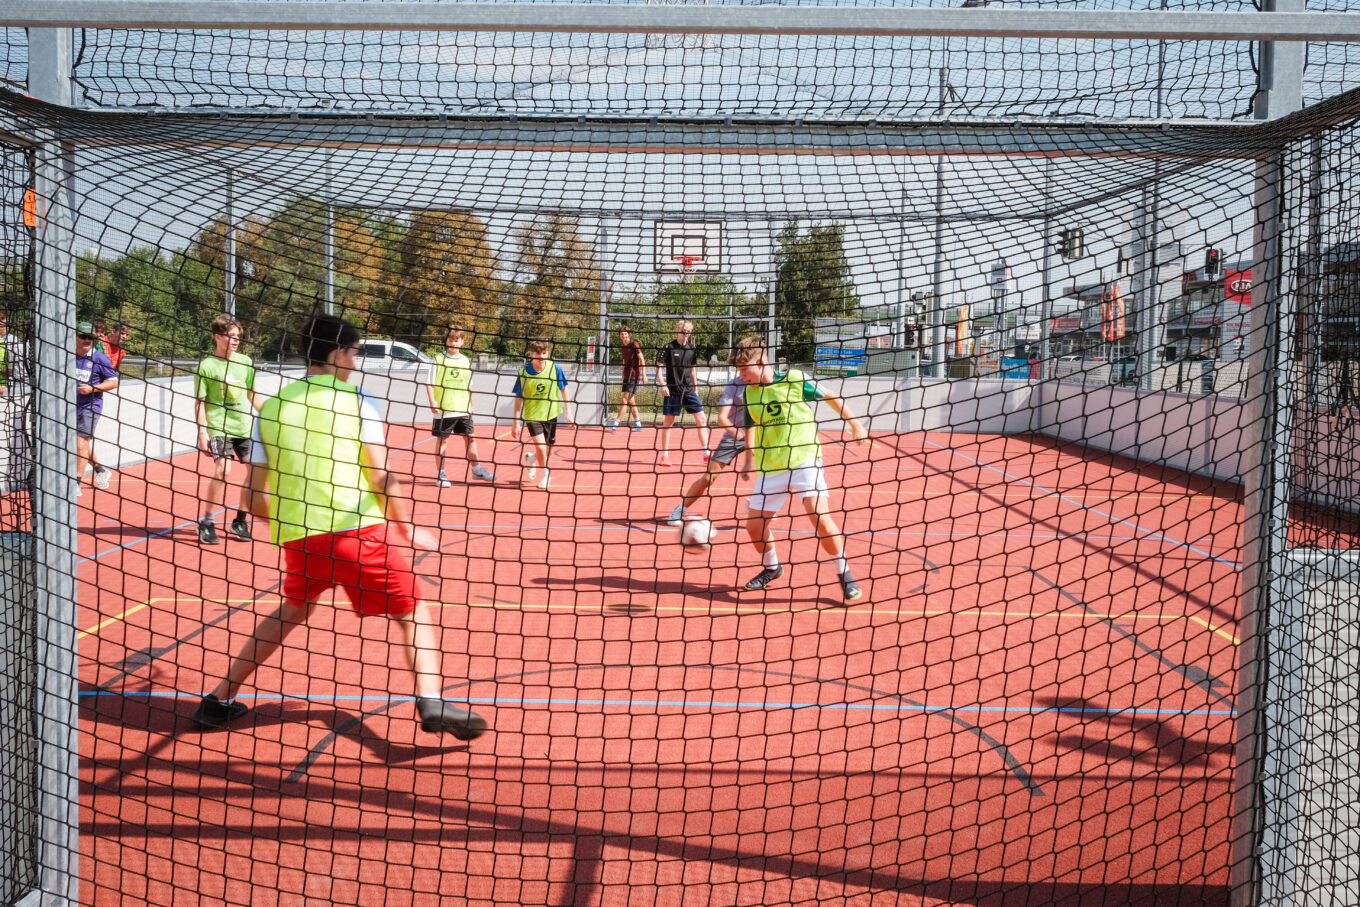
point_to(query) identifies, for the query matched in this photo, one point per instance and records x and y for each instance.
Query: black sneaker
(207, 534)
(441, 716)
(850, 587)
(213, 712)
(240, 529)
(764, 578)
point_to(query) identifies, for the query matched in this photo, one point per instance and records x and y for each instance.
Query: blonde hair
(539, 346)
(684, 324)
(747, 349)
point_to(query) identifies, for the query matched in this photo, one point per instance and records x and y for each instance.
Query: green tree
(813, 282)
(446, 273)
(557, 291)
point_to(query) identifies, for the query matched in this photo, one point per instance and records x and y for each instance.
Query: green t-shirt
(541, 393)
(782, 423)
(452, 378)
(225, 388)
(312, 437)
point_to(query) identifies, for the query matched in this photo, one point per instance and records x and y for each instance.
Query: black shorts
(630, 387)
(444, 426)
(547, 429)
(224, 448)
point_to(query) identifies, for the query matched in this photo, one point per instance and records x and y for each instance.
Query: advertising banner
(1237, 286)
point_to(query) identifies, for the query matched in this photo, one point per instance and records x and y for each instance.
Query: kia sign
(1237, 286)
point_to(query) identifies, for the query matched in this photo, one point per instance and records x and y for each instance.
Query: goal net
(1039, 586)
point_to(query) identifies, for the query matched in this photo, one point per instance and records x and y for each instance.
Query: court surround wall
(1194, 433)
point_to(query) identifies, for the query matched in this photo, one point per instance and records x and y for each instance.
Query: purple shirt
(92, 369)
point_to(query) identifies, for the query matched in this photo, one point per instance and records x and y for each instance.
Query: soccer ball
(696, 533)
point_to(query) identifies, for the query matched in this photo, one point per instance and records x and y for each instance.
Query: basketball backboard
(688, 246)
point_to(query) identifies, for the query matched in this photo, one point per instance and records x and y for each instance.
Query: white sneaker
(677, 515)
(532, 473)
(443, 480)
(481, 472)
(546, 473)
(637, 426)
(101, 477)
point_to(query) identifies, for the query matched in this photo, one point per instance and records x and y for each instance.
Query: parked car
(390, 356)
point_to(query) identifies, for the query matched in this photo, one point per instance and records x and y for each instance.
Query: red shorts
(376, 576)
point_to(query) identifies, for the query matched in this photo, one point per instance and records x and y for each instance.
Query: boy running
(451, 400)
(224, 406)
(732, 419)
(788, 458)
(336, 511)
(540, 397)
(632, 379)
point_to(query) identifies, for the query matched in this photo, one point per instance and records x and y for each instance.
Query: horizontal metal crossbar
(685, 19)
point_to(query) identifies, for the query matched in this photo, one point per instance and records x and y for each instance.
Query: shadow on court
(170, 717)
(355, 817)
(1122, 736)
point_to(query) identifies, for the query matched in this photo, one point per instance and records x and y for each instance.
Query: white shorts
(773, 489)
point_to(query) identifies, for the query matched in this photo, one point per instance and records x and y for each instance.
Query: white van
(386, 357)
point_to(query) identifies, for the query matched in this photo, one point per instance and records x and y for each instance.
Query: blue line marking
(1062, 497)
(518, 701)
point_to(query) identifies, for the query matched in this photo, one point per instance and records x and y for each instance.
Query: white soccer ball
(696, 533)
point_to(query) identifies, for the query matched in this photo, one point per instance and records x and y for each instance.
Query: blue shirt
(529, 367)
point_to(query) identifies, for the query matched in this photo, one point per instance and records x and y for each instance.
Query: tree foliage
(813, 282)
(445, 272)
(556, 291)
(707, 299)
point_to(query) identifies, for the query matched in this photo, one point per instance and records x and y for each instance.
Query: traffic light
(1070, 243)
(1213, 263)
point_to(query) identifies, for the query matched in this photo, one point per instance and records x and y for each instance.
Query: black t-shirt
(678, 359)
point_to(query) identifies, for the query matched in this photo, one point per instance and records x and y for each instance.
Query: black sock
(240, 516)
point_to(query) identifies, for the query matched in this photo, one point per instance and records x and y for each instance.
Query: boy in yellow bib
(540, 397)
(338, 513)
(451, 400)
(787, 455)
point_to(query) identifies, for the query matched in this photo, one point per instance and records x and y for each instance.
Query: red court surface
(1032, 704)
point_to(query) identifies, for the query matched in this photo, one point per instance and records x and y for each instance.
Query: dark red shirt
(632, 361)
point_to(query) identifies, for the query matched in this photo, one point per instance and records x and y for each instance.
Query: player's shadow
(637, 583)
(648, 586)
(1125, 736)
(169, 718)
(138, 532)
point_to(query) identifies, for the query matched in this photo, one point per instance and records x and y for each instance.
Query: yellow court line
(1219, 630)
(92, 631)
(113, 620)
(706, 611)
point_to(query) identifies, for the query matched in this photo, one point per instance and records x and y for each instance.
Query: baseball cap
(84, 327)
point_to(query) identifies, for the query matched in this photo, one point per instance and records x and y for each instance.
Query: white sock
(841, 564)
(529, 458)
(770, 558)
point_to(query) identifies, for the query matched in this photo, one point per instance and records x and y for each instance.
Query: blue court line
(514, 701)
(1062, 497)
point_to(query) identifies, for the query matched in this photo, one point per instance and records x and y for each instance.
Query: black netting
(14, 58)
(975, 625)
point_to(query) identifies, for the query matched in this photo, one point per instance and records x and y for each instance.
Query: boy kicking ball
(451, 401)
(787, 454)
